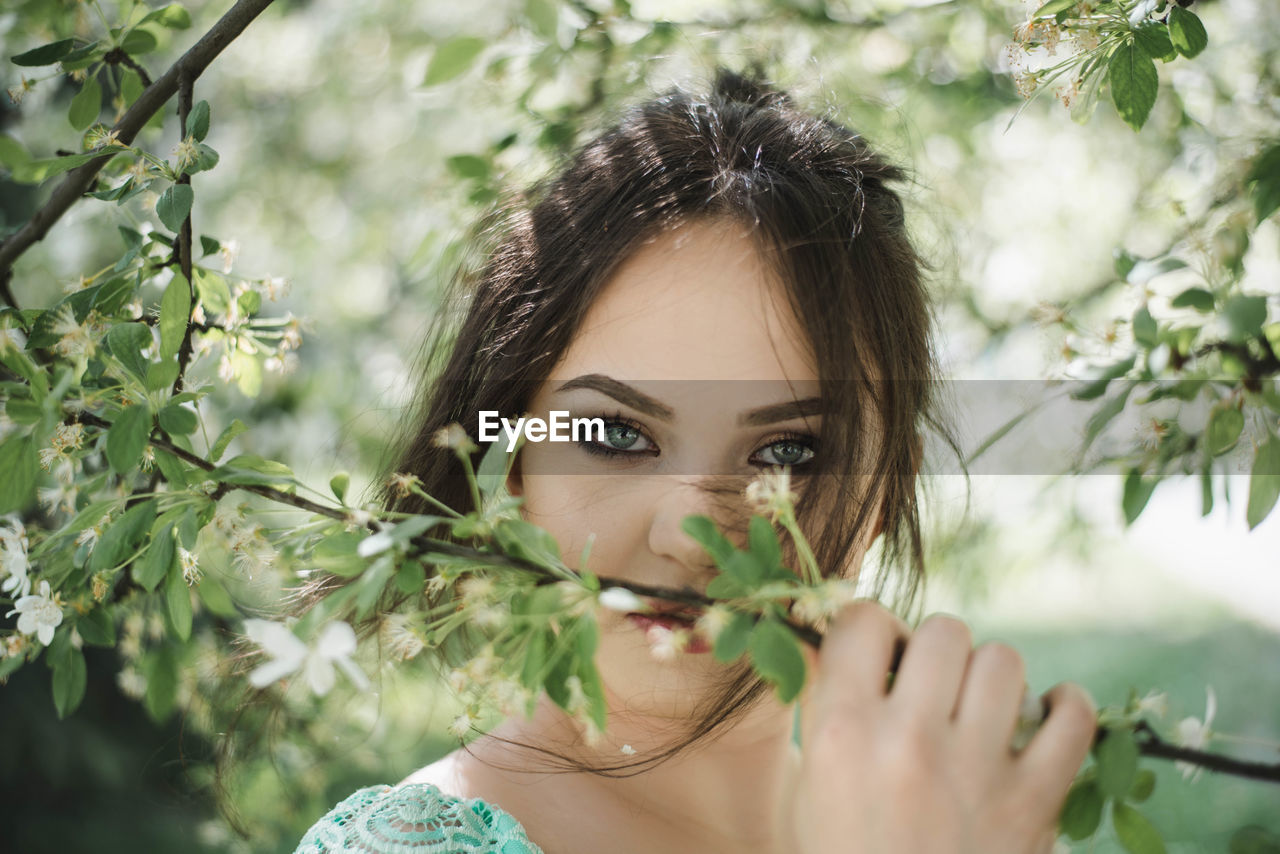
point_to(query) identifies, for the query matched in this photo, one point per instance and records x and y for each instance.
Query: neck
(721, 792)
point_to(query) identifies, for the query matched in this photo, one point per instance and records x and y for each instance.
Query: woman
(727, 281)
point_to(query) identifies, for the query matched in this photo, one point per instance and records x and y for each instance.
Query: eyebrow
(638, 400)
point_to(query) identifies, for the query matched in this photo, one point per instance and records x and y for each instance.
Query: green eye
(621, 436)
(788, 452)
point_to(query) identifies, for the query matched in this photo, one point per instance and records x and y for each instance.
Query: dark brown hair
(819, 200)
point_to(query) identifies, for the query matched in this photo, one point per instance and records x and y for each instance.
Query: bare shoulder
(445, 774)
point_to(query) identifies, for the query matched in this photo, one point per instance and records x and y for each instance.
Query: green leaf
(161, 671)
(128, 436)
(1053, 7)
(139, 41)
(158, 560)
(250, 469)
(1143, 785)
(19, 470)
(775, 654)
(1134, 83)
(1264, 482)
(1144, 328)
(763, 541)
(206, 158)
(1197, 298)
(69, 680)
(338, 484)
(45, 54)
(38, 171)
(1096, 388)
(174, 205)
(215, 597)
(1246, 315)
(123, 536)
(468, 166)
(733, 638)
(453, 58)
(1136, 834)
(171, 468)
(235, 428)
(535, 659)
(1117, 756)
(212, 290)
(542, 15)
(177, 420)
(1104, 415)
(705, 532)
(86, 105)
(12, 153)
(1186, 31)
(177, 597)
(1264, 175)
(173, 16)
(175, 311)
(410, 577)
(1082, 811)
(97, 628)
(1225, 426)
(198, 121)
(126, 341)
(1137, 492)
(1154, 37)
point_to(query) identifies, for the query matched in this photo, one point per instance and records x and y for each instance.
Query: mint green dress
(418, 818)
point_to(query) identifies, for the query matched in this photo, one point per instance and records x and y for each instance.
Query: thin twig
(153, 98)
(185, 84)
(117, 56)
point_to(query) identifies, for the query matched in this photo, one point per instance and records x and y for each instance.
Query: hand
(926, 767)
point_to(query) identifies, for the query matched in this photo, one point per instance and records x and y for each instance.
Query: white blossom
(461, 725)
(713, 621)
(666, 644)
(622, 599)
(289, 654)
(14, 562)
(771, 491)
(1195, 734)
(400, 634)
(190, 567)
(38, 614)
(1156, 703)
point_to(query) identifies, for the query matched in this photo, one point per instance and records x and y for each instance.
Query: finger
(857, 653)
(933, 667)
(987, 710)
(1058, 749)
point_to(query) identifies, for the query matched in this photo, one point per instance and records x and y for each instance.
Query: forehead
(697, 302)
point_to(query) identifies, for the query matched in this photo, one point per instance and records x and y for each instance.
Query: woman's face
(695, 362)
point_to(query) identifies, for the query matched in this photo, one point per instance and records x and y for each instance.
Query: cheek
(573, 508)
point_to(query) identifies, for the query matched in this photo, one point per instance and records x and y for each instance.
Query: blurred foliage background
(358, 143)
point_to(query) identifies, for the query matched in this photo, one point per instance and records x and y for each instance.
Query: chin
(640, 679)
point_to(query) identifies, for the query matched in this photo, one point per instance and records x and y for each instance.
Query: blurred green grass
(1241, 661)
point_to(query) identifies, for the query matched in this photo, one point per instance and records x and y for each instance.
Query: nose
(667, 538)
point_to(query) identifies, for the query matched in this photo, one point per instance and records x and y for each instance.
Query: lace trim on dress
(418, 818)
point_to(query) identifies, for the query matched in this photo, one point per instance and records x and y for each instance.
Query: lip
(673, 621)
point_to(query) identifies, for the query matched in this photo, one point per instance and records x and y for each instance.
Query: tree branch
(1149, 742)
(153, 98)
